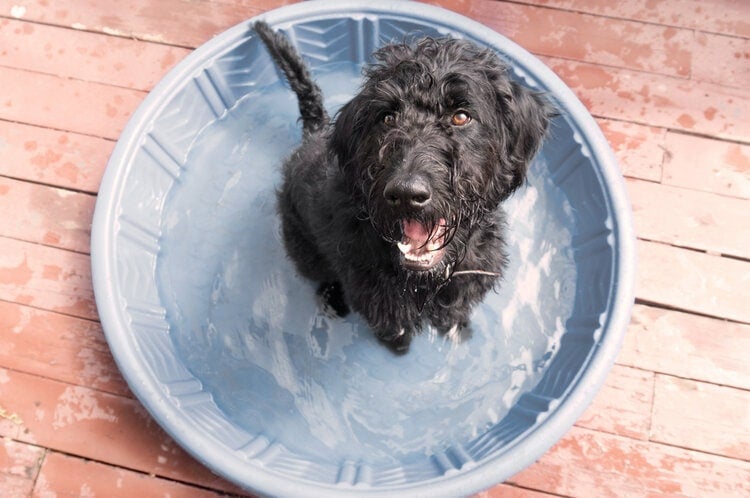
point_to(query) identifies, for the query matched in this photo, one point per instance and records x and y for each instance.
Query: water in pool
(250, 330)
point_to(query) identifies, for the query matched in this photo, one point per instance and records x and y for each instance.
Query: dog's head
(436, 138)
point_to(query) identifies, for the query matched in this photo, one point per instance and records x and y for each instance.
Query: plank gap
(525, 488)
(715, 254)
(42, 244)
(732, 256)
(664, 306)
(621, 18)
(46, 310)
(677, 246)
(193, 485)
(657, 126)
(61, 130)
(88, 387)
(689, 379)
(679, 131)
(696, 450)
(667, 373)
(49, 185)
(102, 32)
(81, 80)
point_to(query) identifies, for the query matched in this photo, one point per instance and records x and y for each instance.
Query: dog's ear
(525, 116)
(389, 56)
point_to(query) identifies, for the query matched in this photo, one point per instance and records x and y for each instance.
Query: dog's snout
(408, 191)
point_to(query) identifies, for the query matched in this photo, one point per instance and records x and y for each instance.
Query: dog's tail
(309, 95)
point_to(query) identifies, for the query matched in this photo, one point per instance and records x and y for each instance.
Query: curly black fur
(435, 140)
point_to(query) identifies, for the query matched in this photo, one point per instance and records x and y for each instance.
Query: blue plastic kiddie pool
(224, 343)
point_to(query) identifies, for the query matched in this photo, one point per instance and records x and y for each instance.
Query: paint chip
(18, 11)
(12, 416)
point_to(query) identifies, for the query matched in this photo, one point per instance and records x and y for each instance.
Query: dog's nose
(408, 191)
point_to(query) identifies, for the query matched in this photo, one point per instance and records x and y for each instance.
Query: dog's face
(437, 137)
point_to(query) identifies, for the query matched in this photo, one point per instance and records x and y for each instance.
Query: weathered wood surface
(668, 83)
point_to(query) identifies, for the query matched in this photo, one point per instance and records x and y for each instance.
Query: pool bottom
(251, 331)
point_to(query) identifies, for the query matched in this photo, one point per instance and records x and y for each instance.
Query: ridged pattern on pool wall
(231, 68)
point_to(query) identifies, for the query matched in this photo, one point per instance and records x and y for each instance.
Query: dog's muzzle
(422, 245)
(422, 248)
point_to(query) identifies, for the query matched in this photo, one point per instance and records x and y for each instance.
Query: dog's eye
(460, 118)
(389, 119)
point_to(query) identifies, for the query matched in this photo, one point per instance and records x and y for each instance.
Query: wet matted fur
(393, 207)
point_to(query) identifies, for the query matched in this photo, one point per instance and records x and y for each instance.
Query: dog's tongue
(417, 241)
(422, 247)
(416, 232)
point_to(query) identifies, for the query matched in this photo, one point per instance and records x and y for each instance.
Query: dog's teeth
(404, 248)
(421, 251)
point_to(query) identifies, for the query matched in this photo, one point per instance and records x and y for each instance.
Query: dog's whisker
(476, 272)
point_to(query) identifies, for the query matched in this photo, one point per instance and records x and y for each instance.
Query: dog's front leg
(451, 310)
(393, 319)
(453, 323)
(398, 342)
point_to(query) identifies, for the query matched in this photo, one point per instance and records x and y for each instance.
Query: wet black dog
(393, 208)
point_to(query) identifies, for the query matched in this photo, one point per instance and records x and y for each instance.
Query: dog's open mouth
(422, 248)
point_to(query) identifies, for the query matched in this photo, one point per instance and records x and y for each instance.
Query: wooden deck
(669, 83)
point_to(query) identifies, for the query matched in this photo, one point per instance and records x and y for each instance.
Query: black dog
(394, 207)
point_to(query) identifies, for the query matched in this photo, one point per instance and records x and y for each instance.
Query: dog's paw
(332, 299)
(397, 343)
(456, 333)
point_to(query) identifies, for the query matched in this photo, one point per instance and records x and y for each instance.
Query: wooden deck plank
(588, 38)
(86, 56)
(45, 215)
(689, 218)
(19, 467)
(705, 164)
(58, 347)
(66, 476)
(639, 149)
(723, 60)
(623, 405)
(506, 491)
(723, 16)
(161, 21)
(670, 118)
(64, 104)
(591, 463)
(693, 281)
(47, 278)
(704, 417)
(52, 157)
(560, 33)
(656, 100)
(687, 346)
(64, 418)
(140, 18)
